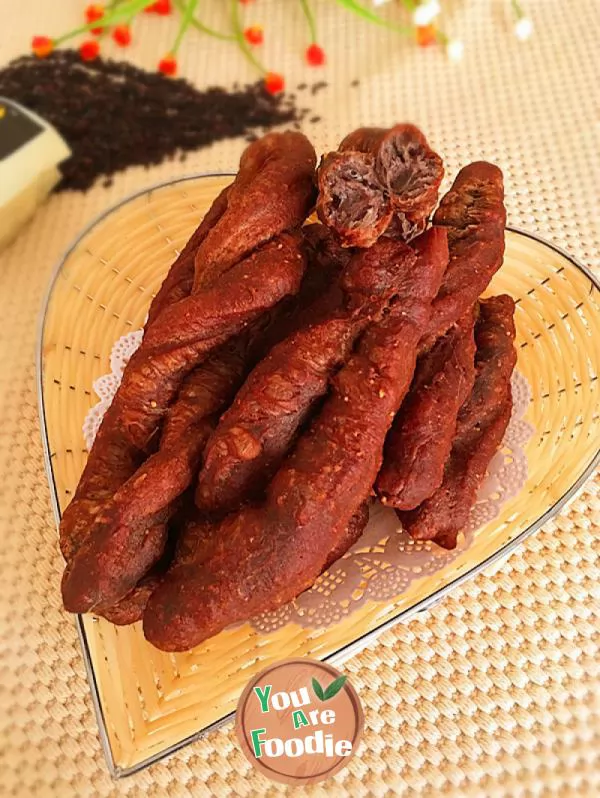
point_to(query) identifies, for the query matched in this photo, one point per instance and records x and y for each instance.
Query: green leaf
(335, 687)
(318, 689)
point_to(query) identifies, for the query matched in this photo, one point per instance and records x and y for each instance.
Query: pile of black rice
(114, 115)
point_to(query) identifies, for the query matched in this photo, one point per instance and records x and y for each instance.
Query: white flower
(380, 2)
(455, 50)
(425, 13)
(523, 28)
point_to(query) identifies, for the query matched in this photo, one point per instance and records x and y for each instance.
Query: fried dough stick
(110, 463)
(274, 191)
(129, 428)
(379, 180)
(257, 431)
(473, 212)
(180, 277)
(262, 557)
(117, 550)
(188, 424)
(481, 426)
(409, 170)
(420, 440)
(210, 388)
(117, 453)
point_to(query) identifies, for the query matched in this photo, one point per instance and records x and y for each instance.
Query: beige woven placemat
(496, 691)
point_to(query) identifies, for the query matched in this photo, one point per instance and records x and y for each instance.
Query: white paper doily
(106, 386)
(385, 560)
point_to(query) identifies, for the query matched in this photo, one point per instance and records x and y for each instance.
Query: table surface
(495, 692)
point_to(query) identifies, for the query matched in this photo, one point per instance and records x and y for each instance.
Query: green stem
(410, 5)
(120, 12)
(516, 6)
(204, 28)
(239, 37)
(371, 16)
(110, 7)
(186, 19)
(310, 18)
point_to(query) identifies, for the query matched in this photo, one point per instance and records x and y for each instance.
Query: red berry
(162, 7)
(254, 35)
(274, 83)
(168, 65)
(315, 55)
(425, 35)
(122, 35)
(89, 50)
(42, 46)
(93, 13)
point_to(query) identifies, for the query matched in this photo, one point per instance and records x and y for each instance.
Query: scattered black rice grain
(355, 82)
(114, 115)
(316, 87)
(301, 86)
(314, 119)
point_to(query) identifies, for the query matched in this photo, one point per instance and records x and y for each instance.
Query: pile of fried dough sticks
(289, 373)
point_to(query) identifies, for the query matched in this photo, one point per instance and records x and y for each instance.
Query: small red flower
(254, 35)
(93, 13)
(89, 50)
(168, 65)
(274, 82)
(162, 7)
(315, 55)
(245, 2)
(42, 46)
(122, 35)
(425, 35)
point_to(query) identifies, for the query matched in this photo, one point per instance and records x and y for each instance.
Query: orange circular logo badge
(299, 721)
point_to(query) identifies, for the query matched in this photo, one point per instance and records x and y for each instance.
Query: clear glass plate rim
(351, 648)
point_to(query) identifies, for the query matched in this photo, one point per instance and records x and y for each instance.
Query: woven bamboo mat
(495, 692)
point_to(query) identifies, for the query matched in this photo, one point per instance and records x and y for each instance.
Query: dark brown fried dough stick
(356, 526)
(481, 426)
(255, 434)
(351, 198)
(197, 541)
(115, 553)
(274, 191)
(130, 609)
(420, 441)
(262, 557)
(168, 472)
(115, 456)
(126, 438)
(474, 214)
(210, 388)
(180, 277)
(379, 180)
(409, 170)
